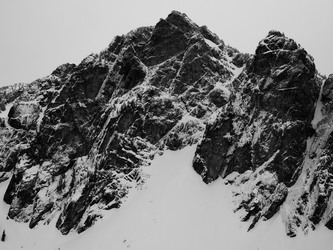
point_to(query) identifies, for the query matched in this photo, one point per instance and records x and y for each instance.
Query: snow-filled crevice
(40, 118)
(290, 210)
(318, 115)
(4, 115)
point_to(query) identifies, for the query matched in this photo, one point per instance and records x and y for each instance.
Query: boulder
(24, 115)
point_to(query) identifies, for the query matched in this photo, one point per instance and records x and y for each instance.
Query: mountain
(76, 143)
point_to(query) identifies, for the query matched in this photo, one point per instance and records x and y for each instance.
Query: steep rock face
(263, 130)
(100, 122)
(327, 94)
(309, 201)
(74, 143)
(269, 106)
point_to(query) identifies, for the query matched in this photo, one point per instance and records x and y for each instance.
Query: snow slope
(4, 114)
(174, 210)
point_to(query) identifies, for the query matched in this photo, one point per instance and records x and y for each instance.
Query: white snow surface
(174, 210)
(211, 44)
(318, 115)
(4, 114)
(40, 118)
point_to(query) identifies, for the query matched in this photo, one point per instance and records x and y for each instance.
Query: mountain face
(73, 144)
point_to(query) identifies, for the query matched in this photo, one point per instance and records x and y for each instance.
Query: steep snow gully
(170, 139)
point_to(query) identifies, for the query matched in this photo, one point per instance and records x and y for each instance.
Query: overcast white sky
(38, 35)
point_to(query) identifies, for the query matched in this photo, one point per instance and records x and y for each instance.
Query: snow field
(174, 210)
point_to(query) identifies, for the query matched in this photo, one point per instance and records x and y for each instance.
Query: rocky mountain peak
(262, 133)
(75, 143)
(182, 22)
(94, 126)
(277, 50)
(279, 60)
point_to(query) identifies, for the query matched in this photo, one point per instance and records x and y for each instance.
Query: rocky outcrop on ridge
(74, 143)
(269, 113)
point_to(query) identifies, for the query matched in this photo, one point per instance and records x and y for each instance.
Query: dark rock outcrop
(327, 95)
